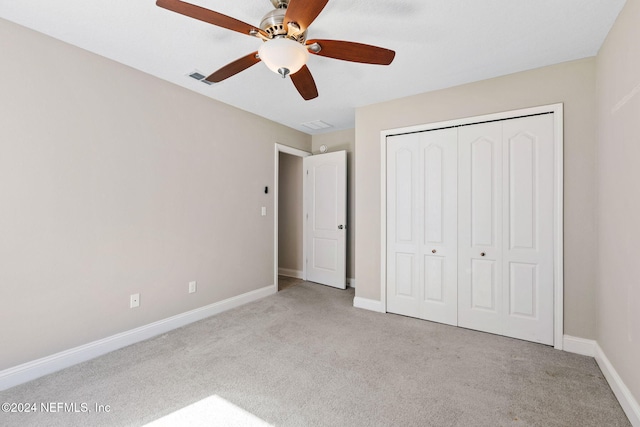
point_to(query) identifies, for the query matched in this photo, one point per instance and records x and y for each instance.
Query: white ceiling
(438, 44)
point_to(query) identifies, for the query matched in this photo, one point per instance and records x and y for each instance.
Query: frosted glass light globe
(283, 56)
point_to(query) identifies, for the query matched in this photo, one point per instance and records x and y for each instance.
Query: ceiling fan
(285, 49)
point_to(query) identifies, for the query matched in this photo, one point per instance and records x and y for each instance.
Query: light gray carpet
(306, 357)
(285, 282)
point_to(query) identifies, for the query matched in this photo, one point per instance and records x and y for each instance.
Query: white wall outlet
(193, 286)
(134, 301)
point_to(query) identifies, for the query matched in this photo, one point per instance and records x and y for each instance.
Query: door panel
(325, 186)
(483, 285)
(434, 279)
(528, 228)
(404, 206)
(439, 160)
(405, 277)
(480, 301)
(434, 163)
(325, 208)
(514, 199)
(523, 193)
(483, 186)
(325, 254)
(421, 221)
(523, 289)
(403, 232)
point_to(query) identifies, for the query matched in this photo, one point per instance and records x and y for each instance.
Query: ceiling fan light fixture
(285, 49)
(283, 56)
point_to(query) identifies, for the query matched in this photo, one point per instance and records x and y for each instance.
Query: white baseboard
(579, 346)
(351, 282)
(627, 401)
(31, 370)
(290, 273)
(368, 304)
(592, 348)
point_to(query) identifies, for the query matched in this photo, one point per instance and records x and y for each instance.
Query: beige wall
(113, 182)
(290, 207)
(337, 141)
(618, 209)
(571, 83)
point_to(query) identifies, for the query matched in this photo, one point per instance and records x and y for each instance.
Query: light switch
(264, 211)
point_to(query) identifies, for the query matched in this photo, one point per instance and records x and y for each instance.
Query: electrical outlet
(193, 287)
(134, 301)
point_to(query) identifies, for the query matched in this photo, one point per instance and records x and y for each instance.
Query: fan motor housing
(273, 24)
(280, 3)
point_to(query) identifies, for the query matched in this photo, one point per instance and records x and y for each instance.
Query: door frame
(558, 209)
(280, 148)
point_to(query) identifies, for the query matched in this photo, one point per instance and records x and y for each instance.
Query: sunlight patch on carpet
(212, 411)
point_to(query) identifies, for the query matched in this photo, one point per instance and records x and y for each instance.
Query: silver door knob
(340, 227)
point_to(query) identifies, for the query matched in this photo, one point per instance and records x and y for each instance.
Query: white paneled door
(325, 218)
(470, 226)
(480, 227)
(506, 228)
(422, 228)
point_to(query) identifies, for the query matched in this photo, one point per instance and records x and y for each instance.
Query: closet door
(528, 214)
(421, 225)
(506, 228)
(480, 302)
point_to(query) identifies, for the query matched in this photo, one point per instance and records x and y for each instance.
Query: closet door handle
(433, 251)
(340, 227)
(482, 254)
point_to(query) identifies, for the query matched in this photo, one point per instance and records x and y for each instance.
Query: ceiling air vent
(200, 77)
(317, 125)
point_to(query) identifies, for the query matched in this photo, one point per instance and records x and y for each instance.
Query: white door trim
(279, 148)
(557, 110)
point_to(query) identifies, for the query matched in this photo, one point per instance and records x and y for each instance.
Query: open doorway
(289, 266)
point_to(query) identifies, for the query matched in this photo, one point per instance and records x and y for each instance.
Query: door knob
(482, 254)
(433, 251)
(340, 227)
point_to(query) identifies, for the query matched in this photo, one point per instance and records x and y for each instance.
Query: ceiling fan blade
(209, 16)
(303, 12)
(354, 52)
(234, 68)
(303, 81)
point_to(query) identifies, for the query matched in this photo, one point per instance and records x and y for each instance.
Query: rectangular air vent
(200, 77)
(317, 125)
